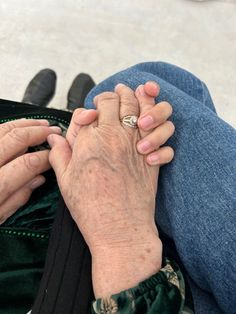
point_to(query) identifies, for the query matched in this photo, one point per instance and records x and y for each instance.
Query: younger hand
(20, 172)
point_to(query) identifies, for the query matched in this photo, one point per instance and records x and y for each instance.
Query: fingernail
(145, 122)
(120, 85)
(76, 115)
(37, 182)
(82, 113)
(44, 122)
(34, 161)
(154, 159)
(141, 90)
(143, 146)
(153, 83)
(56, 129)
(95, 99)
(50, 140)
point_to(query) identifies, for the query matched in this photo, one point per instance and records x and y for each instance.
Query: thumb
(80, 117)
(60, 155)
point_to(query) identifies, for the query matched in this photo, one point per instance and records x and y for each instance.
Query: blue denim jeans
(195, 204)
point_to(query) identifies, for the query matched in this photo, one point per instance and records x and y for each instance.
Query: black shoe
(78, 91)
(41, 88)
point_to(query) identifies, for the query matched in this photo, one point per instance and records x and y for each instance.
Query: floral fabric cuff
(163, 292)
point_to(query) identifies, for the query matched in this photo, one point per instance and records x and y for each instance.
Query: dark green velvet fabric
(23, 247)
(22, 257)
(39, 212)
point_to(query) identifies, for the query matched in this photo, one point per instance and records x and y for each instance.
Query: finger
(146, 95)
(20, 123)
(146, 103)
(151, 88)
(60, 155)
(19, 198)
(80, 117)
(19, 139)
(155, 116)
(21, 170)
(108, 106)
(162, 156)
(157, 138)
(128, 102)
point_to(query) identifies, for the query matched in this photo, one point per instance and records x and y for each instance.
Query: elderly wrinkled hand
(107, 185)
(105, 167)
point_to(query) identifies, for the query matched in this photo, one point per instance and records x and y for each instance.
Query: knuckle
(129, 99)
(8, 126)
(20, 135)
(31, 162)
(107, 97)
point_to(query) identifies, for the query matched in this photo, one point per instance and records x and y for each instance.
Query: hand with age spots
(110, 189)
(152, 120)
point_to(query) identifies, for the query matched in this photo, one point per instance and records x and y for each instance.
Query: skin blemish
(142, 257)
(148, 250)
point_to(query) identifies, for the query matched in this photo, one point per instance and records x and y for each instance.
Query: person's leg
(196, 197)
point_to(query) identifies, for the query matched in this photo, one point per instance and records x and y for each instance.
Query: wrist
(120, 267)
(122, 234)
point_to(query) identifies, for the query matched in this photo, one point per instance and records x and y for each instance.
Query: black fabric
(66, 286)
(15, 110)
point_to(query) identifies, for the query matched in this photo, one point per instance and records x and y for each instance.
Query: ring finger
(129, 106)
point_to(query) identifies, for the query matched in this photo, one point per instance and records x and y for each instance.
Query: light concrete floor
(102, 37)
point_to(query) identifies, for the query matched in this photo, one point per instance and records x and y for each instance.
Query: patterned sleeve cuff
(164, 292)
